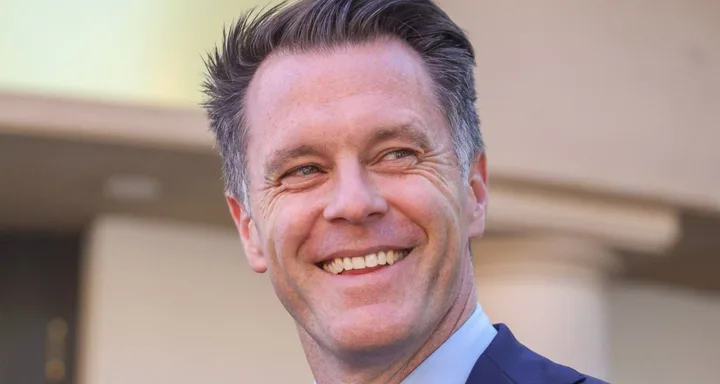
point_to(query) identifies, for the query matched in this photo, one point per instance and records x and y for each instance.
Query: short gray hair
(311, 24)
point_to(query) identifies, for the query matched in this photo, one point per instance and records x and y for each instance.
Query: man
(356, 177)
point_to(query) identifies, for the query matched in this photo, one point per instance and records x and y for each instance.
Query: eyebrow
(402, 132)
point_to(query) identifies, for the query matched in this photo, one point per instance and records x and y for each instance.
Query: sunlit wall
(147, 51)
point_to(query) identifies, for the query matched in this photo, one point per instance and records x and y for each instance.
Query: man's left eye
(399, 154)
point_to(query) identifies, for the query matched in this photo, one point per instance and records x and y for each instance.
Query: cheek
(435, 210)
(286, 231)
(290, 223)
(426, 202)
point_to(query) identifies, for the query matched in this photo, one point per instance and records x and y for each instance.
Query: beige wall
(175, 303)
(664, 335)
(615, 95)
(169, 303)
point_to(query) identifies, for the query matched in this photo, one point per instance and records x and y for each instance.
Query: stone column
(550, 291)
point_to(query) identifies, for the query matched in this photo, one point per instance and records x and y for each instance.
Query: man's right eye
(305, 170)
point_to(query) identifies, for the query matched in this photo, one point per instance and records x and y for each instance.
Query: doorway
(39, 292)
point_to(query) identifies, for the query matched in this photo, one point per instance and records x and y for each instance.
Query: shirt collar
(454, 360)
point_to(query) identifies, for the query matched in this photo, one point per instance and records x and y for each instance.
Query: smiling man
(356, 176)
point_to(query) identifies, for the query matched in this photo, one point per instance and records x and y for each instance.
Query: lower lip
(363, 270)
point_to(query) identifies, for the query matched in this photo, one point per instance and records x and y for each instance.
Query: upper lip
(361, 252)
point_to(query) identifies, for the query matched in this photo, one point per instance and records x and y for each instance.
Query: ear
(248, 234)
(477, 196)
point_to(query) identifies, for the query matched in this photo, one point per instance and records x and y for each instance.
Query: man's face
(351, 165)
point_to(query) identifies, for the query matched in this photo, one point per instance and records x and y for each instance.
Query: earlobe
(248, 234)
(477, 196)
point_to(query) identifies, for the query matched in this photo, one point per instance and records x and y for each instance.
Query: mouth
(364, 264)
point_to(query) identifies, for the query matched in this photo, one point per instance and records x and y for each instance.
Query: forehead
(338, 93)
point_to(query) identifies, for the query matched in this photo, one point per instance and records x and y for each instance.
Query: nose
(354, 199)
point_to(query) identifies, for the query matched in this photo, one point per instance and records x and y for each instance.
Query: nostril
(356, 202)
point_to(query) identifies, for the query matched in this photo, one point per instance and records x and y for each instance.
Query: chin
(370, 330)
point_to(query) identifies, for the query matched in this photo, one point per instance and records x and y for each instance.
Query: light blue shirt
(456, 357)
(453, 361)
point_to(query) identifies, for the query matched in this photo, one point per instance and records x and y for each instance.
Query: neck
(328, 368)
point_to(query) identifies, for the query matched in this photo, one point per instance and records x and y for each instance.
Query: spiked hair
(321, 24)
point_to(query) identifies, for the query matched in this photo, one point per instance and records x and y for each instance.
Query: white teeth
(382, 258)
(347, 264)
(340, 264)
(358, 262)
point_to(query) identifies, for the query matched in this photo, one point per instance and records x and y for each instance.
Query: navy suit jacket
(507, 361)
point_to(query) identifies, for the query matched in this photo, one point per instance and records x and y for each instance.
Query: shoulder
(507, 361)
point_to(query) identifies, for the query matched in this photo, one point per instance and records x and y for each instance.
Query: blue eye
(305, 170)
(400, 153)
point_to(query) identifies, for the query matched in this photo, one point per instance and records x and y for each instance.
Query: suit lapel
(486, 371)
(506, 361)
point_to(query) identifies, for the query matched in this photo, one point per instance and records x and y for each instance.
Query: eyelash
(405, 151)
(299, 169)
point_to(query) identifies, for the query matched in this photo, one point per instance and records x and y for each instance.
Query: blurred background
(119, 263)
